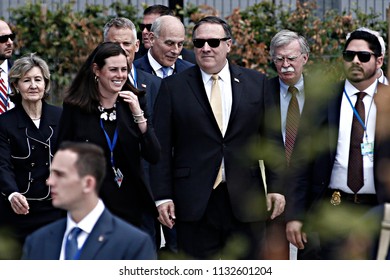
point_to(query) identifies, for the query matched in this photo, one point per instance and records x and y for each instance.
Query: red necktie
(292, 123)
(355, 162)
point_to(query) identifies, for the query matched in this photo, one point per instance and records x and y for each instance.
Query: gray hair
(157, 24)
(119, 22)
(285, 37)
(25, 64)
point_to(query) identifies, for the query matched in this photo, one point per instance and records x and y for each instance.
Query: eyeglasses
(4, 38)
(289, 59)
(348, 56)
(213, 43)
(143, 26)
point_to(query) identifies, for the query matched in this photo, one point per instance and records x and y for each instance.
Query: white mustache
(288, 69)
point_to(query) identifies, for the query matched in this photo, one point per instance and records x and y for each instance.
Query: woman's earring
(96, 79)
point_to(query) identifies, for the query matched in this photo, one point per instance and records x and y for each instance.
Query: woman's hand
(19, 204)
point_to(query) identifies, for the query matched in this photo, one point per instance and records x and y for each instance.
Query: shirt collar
(154, 63)
(299, 85)
(4, 66)
(224, 74)
(88, 222)
(351, 90)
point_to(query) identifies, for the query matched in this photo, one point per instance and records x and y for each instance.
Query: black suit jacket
(193, 146)
(134, 197)
(314, 167)
(25, 156)
(110, 239)
(144, 64)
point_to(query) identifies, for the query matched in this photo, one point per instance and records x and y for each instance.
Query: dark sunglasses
(213, 43)
(143, 26)
(348, 56)
(4, 38)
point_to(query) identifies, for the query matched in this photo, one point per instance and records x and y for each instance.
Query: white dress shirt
(86, 224)
(339, 175)
(157, 67)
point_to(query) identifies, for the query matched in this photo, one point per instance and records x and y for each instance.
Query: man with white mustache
(289, 52)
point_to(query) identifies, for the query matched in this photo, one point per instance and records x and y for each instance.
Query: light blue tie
(165, 70)
(71, 246)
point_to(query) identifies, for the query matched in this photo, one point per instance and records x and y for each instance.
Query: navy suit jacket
(151, 84)
(110, 239)
(193, 146)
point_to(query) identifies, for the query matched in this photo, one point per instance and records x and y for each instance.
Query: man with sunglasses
(166, 42)
(151, 13)
(6, 49)
(207, 183)
(341, 174)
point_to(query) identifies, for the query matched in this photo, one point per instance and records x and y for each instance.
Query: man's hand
(278, 202)
(295, 234)
(167, 214)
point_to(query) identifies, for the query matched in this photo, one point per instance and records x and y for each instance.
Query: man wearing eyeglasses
(6, 49)
(289, 52)
(207, 183)
(344, 173)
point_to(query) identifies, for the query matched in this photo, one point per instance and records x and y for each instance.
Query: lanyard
(111, 145)
(357, 114)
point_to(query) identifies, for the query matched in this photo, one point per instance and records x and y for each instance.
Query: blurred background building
(224, 7)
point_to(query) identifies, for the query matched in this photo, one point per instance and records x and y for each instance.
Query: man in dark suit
(76, 174)
(290, 52)
(340, 179)
(122, 31)
(206, 182)
(166, 40)
(6, 50)
(151, 13)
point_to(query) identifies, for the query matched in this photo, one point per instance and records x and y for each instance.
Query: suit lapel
(98, 237)
(195, 83)
(334, 109)
(53, 243)
(238, 85)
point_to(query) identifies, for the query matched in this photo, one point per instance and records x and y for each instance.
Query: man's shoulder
(48, 229)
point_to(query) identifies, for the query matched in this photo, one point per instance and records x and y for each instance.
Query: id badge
(367, 148)
(118, 176)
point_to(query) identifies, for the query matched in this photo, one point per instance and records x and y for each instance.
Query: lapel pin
(143, 85)
(236, 80)
(101, 238)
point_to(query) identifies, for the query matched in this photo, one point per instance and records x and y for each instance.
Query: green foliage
(64, 38)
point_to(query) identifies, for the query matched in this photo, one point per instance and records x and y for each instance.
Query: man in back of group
(166, 42)
(90, 231)
(6, 49)
(151, 13)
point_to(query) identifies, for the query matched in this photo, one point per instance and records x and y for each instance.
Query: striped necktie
(292, 123)
(3, 94)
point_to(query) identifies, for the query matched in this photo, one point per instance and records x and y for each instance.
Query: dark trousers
(277, 246)
(219, 235)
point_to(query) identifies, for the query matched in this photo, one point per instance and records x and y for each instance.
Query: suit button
(32, 164)
(46, 163)
(32, 180)
(32, 147)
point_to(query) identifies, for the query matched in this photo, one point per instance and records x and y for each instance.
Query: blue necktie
(71, 246)
(165, 70)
